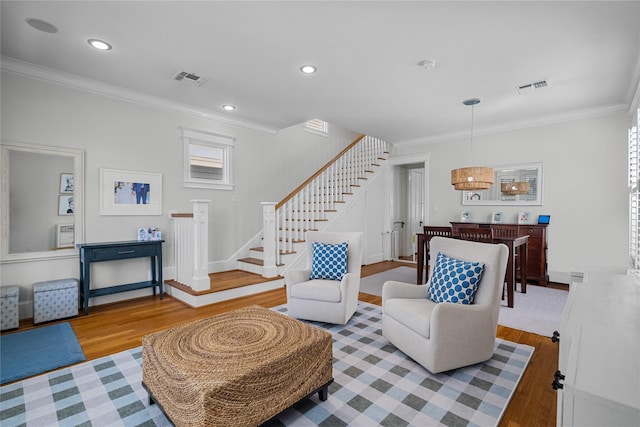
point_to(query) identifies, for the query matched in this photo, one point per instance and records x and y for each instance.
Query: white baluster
(278, 216)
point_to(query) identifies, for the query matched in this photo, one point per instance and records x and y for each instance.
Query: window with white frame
(317, 126)
(207, 160)
(634, 194)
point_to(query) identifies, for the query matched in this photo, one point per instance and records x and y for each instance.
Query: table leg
(522, 254)
(420, 262)
(86, 283)
(154, 275)
(510, 276)
(160, 279)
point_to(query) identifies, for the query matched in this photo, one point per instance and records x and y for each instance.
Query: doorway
(408, 210)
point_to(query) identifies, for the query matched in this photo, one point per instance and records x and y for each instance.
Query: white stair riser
(256, 254)
(251, 268)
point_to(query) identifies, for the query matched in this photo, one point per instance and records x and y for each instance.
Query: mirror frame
(78, 217)
(537, 202)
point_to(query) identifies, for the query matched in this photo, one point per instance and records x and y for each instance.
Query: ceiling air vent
(530, 87)
(189, 78)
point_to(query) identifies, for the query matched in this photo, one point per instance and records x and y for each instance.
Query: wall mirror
(42, 195)
(508, 176)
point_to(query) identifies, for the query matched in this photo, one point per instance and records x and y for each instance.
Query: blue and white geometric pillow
(328, 261)
(454, 280)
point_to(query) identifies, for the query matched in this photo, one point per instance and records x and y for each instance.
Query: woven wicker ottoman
(239, 368)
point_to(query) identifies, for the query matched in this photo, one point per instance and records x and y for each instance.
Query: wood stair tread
(254, 261)
(261, 249)
(225, 280)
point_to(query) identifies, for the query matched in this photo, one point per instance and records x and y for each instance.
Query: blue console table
(111, 251)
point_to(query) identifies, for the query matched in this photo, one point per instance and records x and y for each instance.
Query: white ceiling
(367, 55)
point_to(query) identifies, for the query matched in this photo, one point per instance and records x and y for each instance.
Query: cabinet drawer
(534, 232)
(124, 252)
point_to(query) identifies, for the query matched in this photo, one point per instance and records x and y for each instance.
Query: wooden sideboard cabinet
(537, 247)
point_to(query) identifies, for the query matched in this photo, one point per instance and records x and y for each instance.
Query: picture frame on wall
(66, 205)
(496, 217)
(130, 192)
(66, 183)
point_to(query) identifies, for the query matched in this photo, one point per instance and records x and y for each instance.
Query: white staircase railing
(287, 222)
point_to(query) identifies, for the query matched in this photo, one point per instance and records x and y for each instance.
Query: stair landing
(224, 286)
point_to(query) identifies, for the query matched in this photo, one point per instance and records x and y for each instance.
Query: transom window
(317, 126)
(207, 160)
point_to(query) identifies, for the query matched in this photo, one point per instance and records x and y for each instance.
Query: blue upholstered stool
(9, 315)
(55, 299)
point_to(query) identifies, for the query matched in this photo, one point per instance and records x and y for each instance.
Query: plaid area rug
(375, 384)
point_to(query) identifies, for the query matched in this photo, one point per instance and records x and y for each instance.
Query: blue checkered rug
(375, 384)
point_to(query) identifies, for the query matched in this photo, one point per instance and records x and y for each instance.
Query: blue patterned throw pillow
(328, 261)
(454, 280)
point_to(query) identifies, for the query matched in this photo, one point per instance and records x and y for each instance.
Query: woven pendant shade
(514, 188)
(472, 178)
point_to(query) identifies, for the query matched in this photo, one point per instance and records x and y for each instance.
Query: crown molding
(516, 125)
(634, 89)
(73, 81)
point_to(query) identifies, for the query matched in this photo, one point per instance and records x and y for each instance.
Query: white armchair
(444, 336)
(331, 301)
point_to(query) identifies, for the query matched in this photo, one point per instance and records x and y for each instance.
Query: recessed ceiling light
(41, 25)
(99, 44)
(228, 107)
(308, 69)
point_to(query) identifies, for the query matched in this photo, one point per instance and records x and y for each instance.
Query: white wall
(122, 135)
(584, 185)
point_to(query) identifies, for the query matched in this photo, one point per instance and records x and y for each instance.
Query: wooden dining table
(514, 243)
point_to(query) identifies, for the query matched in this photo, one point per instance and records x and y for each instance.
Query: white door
(415, 207)
(397, 239)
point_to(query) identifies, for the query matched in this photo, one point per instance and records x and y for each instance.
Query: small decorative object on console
(544, 219)
(523, 217)
(149, 234)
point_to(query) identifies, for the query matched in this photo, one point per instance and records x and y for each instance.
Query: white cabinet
(599, 364)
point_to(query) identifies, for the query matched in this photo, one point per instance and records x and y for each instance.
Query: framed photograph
(130, 193)
(149, 234)
(66, 205)
(523, 218)
(465, 216)
(496, 217)
(66, 183)
(142, 235)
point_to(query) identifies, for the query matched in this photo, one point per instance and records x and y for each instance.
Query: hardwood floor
(111, 328)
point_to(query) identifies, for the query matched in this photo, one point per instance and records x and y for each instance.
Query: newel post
(269, 247)
(200, 281)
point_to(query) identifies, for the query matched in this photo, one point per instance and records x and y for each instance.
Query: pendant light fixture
(514, 188)
(473, 177)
